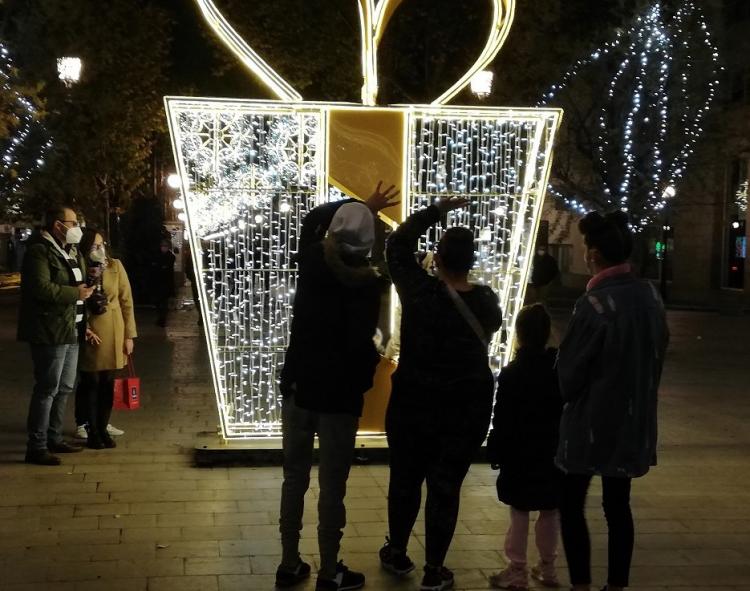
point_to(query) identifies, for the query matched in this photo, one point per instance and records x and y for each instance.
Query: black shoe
(289, 578)
(436, 579)
(395, 561)
(108, 442)
(94, 442)
(64, 448)
(345, 580)
(42, 457)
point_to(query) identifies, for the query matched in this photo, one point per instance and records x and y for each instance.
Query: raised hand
(381, 199)
(450, 203)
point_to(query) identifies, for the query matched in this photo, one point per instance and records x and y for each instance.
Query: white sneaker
(112, 430)
(81, 432)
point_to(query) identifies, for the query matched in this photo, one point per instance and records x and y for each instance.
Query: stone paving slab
(142, 518)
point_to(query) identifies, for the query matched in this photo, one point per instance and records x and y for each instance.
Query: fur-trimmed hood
(351, 275)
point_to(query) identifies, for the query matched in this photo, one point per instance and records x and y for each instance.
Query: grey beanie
(353, 228)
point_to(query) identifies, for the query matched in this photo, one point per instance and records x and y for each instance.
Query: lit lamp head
(173, 181)
(69, 70)
(481, 84)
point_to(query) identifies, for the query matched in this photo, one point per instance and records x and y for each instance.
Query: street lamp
(481, 83)
(173, 180)
(69, 70)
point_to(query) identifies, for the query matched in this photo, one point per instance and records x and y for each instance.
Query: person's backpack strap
(467, 315)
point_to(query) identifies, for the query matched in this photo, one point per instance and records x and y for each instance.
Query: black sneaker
(289, 578)
(436, 579)
(63, 448)
(345, 580)
(42, 458)
(395, 561)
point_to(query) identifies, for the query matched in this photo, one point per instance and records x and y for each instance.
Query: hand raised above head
(380, 199)
(447, 204)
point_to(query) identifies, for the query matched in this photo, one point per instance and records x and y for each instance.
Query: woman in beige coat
(109, 338)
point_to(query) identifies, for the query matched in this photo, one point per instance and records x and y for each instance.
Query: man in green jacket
(51, 320)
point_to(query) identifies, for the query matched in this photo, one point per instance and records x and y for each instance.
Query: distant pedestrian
(610, 365)
(522, 444)
(191, 277)
(109, 342)
(544, 270)
(163, 280)
(52, 320)
(440, 405)
(329, 365)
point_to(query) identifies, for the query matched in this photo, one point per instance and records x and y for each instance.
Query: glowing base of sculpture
(212, 449)
(250, 172)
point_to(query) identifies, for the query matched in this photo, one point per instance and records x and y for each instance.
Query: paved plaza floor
(142, 517)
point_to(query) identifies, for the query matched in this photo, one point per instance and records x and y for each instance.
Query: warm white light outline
(373, 21)
(237, 45)
(522, 237)
(503, 13)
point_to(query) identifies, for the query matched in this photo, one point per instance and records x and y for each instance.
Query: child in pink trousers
(522, 444)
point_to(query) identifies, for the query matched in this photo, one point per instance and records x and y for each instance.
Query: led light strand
(655, 61)
(21, 156)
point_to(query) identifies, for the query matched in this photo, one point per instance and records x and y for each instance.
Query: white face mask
(73, 235)
(98, 256)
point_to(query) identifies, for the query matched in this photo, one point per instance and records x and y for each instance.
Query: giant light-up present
(251, 170)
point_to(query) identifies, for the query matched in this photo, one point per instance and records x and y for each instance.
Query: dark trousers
(94, 402)
(437, 443)
(575, 533)
(162, 308)
(336, 436)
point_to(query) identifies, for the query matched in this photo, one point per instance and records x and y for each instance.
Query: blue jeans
(55, 369)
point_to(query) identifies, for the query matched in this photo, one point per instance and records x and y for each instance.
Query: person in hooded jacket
(522, 444)
(441, 401)
(329, 365)
(610, 365)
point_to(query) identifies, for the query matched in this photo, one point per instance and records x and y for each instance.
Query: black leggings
(437, 446)
(94, 401)
(575, 533)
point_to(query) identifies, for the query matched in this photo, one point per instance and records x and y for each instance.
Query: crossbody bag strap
(467, 315)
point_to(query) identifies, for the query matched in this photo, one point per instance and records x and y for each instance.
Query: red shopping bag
(127, 390)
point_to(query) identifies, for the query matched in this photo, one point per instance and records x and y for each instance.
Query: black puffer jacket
(331, 357)
(439, 350)
(525, 431)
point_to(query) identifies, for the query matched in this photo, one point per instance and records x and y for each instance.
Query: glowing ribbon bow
(374, 17)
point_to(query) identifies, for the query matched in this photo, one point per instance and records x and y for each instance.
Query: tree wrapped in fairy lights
(23, 141)
(634, 110)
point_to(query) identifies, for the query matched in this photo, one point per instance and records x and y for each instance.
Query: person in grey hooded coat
(609, 366)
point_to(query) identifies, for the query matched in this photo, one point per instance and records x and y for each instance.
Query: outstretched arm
(406, 273)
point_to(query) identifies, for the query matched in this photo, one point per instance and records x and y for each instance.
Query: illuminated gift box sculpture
(251, 170)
